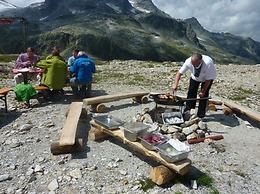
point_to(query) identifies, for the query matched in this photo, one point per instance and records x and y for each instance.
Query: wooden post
(56, 148)
(212, 107)
(95, 134)
(161, 175)
(227, 111)
(101, 108)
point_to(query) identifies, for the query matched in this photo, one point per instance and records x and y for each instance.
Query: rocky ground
(108, 166)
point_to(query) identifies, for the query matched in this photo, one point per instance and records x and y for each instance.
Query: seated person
(83, 68)
(24, 60)
(55, 49)
(70, 63)
(72, 58)
(55, 73)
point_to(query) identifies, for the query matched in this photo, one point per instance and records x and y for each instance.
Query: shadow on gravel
(6, 118)
(201, 178)
(82, 133)
(186, 180)
(123, 106)
(250, 120)
(66, 98)
(228, 120)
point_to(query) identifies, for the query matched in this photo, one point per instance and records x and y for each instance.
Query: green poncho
(24, 92)
(56, 71)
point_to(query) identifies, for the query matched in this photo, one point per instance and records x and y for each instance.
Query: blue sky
(239, 17)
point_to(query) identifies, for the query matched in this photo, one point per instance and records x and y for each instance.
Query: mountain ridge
(110, 29)
(4, 5)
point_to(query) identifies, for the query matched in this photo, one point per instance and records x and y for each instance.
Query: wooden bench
(67, 142)
(181, 167)
(3, 94)
(96, 103)
(41, 88)
(237, 109)
(73, 84)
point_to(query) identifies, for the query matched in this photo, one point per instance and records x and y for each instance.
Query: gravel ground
(108, 166)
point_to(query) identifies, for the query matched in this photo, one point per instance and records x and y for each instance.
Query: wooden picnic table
(26, 72)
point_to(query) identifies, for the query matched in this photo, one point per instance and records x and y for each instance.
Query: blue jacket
(83, 67)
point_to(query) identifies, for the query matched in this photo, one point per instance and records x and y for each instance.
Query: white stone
(76, 173)
(53, 185)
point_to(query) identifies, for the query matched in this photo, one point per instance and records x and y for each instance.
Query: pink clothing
(21, 61)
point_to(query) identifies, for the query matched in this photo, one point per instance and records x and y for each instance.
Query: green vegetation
(220, 169)
(239, 173)
(241, 94)
(201, 178)
(205, 180)
(8, 57)
(146, 184)
(5, 76)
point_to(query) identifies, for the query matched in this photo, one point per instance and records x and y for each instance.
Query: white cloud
(238, 17)
(23, 3)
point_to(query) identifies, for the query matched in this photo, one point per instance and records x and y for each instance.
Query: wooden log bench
(3, 94)
(5, 91)
(181, 167)
(41, 88)
(73, 84)
(97, 103)
(237, 109)
(68, 142)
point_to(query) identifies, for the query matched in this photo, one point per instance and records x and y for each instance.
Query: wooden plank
(4, 91)
(68, 133)
(112, 97)
(180, 167)
(215, 102)
(41, 88)
(243, 110)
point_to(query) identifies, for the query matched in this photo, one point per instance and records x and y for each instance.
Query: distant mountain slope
(246, 48)
(120, 29)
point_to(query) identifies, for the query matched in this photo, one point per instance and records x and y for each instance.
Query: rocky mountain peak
(121, 29)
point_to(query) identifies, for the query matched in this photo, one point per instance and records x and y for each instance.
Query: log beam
(237, 109)
(95, 134)
(161, 175)
(57, 149)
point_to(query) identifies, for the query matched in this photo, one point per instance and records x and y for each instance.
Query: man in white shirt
(203, 72)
